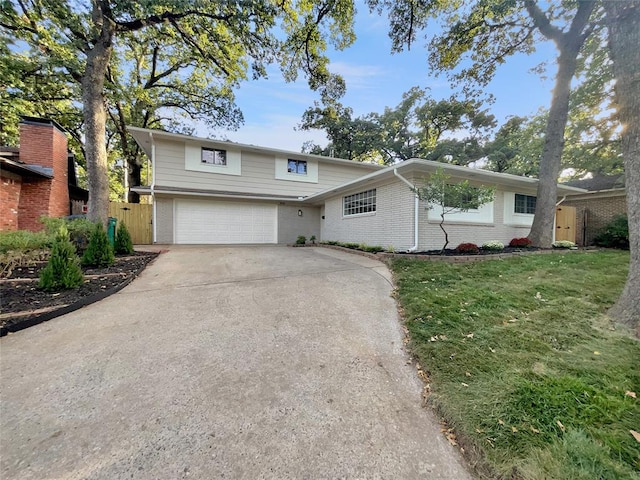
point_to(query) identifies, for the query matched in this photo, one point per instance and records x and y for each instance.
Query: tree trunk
(623, 19)
(135, 179)
(541, 234)
(446, 235)
(95, 118)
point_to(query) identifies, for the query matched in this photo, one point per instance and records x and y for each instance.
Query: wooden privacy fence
(137, 218)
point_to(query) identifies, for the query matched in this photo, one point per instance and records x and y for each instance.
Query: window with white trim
(213, 156)
(524, 204)
(363, 202)
(297, 166)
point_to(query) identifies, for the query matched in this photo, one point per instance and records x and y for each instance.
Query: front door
(566, 223)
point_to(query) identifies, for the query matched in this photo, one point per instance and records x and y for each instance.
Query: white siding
(257, 174)
(164, 220)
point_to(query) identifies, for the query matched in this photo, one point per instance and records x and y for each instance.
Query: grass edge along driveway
(523, 363)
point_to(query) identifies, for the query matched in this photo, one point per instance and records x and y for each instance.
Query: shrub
(123, 243)
(470, 248)
(523, 242)
(563, 244)
(372, 248)
(615, 234)
(99, 252)
(301, 240)
(329, 242)
(313, 239)
(24, 241)
(62, 271)
(80, 230)
(493, 246)
(352, 245)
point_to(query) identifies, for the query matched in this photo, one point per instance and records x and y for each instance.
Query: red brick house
(606, 198)
(38, 178)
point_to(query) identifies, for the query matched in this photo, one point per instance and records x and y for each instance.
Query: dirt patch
(23, 304)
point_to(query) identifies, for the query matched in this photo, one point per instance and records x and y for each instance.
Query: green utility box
(111, 231)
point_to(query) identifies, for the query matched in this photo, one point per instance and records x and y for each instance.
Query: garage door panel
(215, 222)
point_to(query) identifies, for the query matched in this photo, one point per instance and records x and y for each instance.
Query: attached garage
(200, 221)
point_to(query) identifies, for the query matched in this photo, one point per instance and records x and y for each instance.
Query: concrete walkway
(223, 362)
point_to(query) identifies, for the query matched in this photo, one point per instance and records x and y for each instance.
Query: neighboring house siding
(599, 210)
(258, 172)
(9, 200)
(164, 220)
(390, 226)
(291, 225)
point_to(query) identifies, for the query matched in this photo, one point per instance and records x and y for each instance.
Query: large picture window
(524, 204)
(363, 202)
(297, 166)
(213, 156)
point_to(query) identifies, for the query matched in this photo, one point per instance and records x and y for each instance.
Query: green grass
(525, 365)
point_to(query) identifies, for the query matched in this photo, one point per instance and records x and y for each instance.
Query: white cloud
(358, 76)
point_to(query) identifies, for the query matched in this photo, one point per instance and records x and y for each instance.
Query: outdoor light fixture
(299, 213)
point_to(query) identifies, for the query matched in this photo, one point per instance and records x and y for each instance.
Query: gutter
(416, 206)
(153, 186)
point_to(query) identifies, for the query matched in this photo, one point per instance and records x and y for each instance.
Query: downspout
(416, 211)
(554, 217)
(153, 186)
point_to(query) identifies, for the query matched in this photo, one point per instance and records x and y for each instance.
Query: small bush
(99, 252)
(523, 242)
(372, 248)
(352, 245)
(329, 242)
(123, 243)
(80, 230)
(493, 246)
(615, 234)
(313, 239)
(301, 240)
(62, 271)
(563, 244)
(469, 248)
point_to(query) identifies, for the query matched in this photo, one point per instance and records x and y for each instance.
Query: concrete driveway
(223, 362)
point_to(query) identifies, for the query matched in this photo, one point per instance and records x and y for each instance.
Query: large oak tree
(230, 39)
(480, 35)
(623, 20)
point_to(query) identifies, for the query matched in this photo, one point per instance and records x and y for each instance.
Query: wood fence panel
(566, 223)
(137, 218)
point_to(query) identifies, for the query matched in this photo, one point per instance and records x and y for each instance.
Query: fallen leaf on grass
(464, 384)
(470, 335)
(630, 394)
(493, 350)
(467, 374)
(561, 425)
(596, 353)
(514, 429)
(534, 429)
(636, 435)
(500, 422)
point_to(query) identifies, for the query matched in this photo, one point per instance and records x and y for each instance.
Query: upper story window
(363, 202)
(297, 166)
(524, 204)
(213, 156)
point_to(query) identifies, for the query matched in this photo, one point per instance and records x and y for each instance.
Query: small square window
(525, 204)
(213, 156)
(298, 167)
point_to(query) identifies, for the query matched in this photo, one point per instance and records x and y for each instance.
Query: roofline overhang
(142, 138)
(418, 165)
(22, 168)
(159, 190)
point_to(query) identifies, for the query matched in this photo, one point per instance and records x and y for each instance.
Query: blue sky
(376, 79)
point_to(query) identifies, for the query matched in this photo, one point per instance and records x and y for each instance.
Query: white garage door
(215, 222)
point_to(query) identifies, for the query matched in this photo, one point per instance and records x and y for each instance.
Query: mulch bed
(23, 304)
(450, 252)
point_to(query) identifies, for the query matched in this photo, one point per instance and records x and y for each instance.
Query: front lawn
(524, 365)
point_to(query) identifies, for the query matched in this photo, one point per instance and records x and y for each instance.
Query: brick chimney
(43, 144)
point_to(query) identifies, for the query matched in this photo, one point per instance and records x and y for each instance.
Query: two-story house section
(212, 192)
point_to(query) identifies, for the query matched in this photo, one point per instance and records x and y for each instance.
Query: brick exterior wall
(598, 209)
(9, 200)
